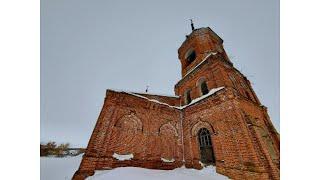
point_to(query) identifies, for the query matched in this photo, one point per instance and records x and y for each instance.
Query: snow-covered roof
(152, 100)
(152, 94)
(211, 92)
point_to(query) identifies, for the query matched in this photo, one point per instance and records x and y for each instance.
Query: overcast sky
(88, 46)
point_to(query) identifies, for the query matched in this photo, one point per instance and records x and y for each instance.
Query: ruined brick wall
(129, 124)
(263, 134)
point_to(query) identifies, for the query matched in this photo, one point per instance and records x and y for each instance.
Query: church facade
(215, 118)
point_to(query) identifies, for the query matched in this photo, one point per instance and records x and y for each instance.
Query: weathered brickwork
(162, 132)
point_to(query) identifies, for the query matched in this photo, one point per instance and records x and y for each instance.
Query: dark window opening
(191, 57)
(204, 88)
(204, 137)
(188, 97)
(206, 149)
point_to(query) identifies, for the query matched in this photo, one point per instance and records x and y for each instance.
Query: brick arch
(168, 127)
(130, 122)
(200, 80)
(188, 52)
(168, 137)
(127, 136)
(201, 124)
(185, 95)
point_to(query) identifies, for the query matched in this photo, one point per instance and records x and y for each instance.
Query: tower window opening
(187, 97)
(190, 56)
(204, 88)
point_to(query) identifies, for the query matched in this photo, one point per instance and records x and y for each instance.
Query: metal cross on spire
(192, 27)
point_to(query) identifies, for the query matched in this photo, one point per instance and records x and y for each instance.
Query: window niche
(202, 86)
(190, 56)
(187, 96)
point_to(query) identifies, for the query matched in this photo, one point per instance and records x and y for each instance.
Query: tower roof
(199, 31)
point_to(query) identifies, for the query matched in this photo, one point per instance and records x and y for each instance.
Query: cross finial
(192, 27)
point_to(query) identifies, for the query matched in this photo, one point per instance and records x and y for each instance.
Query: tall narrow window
(187, 98)
(206, 148)
(204, 88)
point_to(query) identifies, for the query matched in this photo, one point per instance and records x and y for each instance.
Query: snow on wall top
(211, 92)
(191, 70)
(152, 94)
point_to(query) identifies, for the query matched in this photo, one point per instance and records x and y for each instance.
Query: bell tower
(205, 66)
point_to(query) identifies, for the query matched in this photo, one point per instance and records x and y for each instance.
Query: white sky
(89, 46)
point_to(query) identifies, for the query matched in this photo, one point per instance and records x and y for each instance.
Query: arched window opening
(190, 56)
(204, 88)
(187, 97)
(206, 149)
(204, 137)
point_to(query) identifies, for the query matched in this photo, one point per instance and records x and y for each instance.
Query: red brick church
(215, 118)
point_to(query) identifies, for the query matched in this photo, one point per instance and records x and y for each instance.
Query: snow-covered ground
(133, 173)
(63, 168)
(53, 168)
